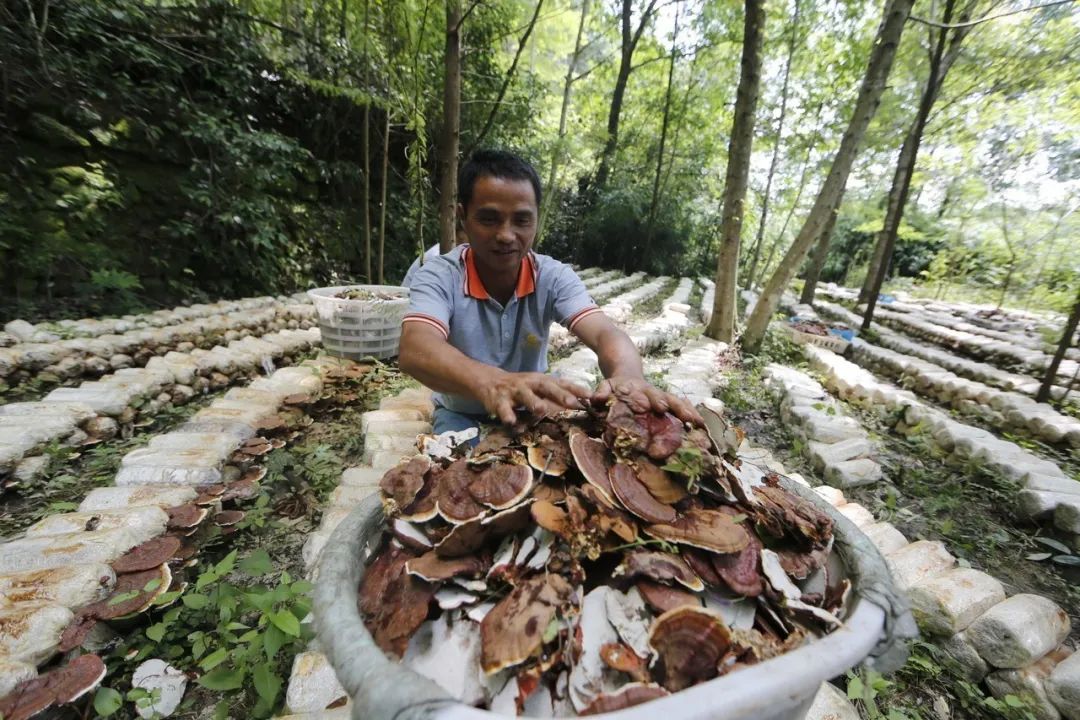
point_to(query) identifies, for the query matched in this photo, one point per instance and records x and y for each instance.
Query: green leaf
(226, 565)
(107, 701)
(267, 684)
(1070, 560)
(1054, 544)
(152, 585)
(122, 597)
(286, 622)
(223, 678)
(1038, 557)
(256, 564)
(855, 688)
(1013, 701)
(214, 659)
(302, 587)
(221, 711)
(195, 602)
(156, 632)
(273, 639)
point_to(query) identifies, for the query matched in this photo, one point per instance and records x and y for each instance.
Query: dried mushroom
(593, 561)
(689, 643)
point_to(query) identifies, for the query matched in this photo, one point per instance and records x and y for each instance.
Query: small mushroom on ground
(689, 643)
(186, 516)
(226, 518)
(514, 630)
(60, 686)
(148, 555)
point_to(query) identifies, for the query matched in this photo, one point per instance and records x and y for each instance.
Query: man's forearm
(617, 355)
(442, 367)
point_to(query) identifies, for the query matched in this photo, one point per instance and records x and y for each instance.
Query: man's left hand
(642, 397)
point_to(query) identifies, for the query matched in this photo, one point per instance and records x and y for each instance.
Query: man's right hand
(538, 393)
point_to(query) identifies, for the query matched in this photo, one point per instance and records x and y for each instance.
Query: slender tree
(817, 261)
(384, 177)
(942, 56)
(557, 152)
(832, 190)
(630, 38)
(366, 151)
(722, 325)
(775, 161)
(451, 128)
(654, 201)
(1066, 341)
(479, 141)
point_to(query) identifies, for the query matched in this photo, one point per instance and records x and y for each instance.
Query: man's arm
(621, 365)
(427, 356)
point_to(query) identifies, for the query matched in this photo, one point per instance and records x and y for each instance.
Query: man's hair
(495, 163)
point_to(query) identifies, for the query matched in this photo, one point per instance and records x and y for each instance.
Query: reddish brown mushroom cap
(705, 529)
(592, 460)
(147, 556)
(132, 593)
(740, 570)
(662, 598)
(455, 502)
(552, 518)
(550, 456)
(618, 656)
(501, 485)
(226, 518)
(659, 483)
(463, 539)
(627, 696)
(56, 687)
(186, 516)
(701, 563)
(433, 568)
(689, 642)
(784, 514)
(393, 602)
(636, 498)
(657, 435)
(663, 567)
(401, 484)
(514, 629)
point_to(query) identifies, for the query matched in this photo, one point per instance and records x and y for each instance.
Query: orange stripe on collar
(474, 287)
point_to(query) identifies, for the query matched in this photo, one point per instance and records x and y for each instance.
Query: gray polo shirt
(447, 294)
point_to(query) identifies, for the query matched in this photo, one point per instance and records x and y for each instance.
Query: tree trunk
(384, 177)
(817, 262)
(654, 202)
(1066, 340)
(557, 153)
(940, 62)
(832, 191)
(451, 129)
(629, 43)
(366, 153)
(722, 325)
(756, 254)
(508, 79)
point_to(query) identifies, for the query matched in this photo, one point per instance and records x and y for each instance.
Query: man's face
(500, 222)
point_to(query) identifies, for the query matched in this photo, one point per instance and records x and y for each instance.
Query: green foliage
(236, 628)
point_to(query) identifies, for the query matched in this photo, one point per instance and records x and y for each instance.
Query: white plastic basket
(356, 329)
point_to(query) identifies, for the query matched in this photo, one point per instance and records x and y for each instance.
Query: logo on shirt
(532, 342)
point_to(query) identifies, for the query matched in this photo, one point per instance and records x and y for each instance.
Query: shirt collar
(474, 288)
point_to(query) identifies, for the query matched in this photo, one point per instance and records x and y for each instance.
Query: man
(477, 326)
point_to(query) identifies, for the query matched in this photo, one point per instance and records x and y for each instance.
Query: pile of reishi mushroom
(595, 561)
